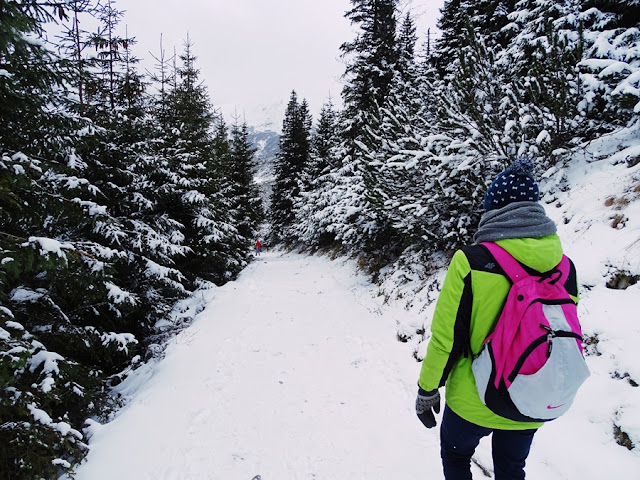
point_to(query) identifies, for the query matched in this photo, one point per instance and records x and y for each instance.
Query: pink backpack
(531, 366)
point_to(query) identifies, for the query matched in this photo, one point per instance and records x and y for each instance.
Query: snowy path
(292, 372)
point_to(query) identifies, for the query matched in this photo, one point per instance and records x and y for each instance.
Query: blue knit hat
(515, 184)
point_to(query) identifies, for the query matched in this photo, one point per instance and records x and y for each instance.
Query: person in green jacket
(468, 306)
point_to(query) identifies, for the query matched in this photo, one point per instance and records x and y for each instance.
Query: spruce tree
(163, 77)
(474, 106)
(191, 183)
(322, 153)
(451, 25)
(55, 280)
(371, 57)
(290, 164)
(371, 61)
(318, 178)
(120, 157)
(74, 41)
(246, 203)
(466, 102)
(609, 67)
(486, 18)
(400, 185)
(107, 220)
(109, 46)
(32, 79)
(542, 59)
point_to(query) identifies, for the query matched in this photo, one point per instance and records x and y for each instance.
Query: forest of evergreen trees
(426, 125)
(122, 194)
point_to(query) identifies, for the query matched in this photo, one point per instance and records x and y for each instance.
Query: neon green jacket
(469, 304)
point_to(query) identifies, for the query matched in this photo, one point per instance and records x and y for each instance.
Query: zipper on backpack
(547, 337)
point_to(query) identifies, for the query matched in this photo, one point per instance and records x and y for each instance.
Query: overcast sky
(252, 53)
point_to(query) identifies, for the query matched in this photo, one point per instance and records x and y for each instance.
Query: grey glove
(426, 404)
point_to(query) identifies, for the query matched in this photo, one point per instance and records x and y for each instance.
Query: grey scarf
(515, 220)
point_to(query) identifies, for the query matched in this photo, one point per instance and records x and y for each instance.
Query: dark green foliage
(324, 143)
(246, 205)
(451, 24)
(291, 161)
(116, 83)
(487, 18)
(609, 64)
(107, 221)
(371, 57)
(191, 181)
(318, 178)
(390, 183)
(31, 80)
(371, 62)
(55, 304)
(475, 103)
(625, 12)
(420, 142)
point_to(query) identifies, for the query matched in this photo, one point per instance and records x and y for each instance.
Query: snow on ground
(291, 372)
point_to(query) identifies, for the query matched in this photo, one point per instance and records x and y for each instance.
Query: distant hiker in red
(469, 304)
(258, 247)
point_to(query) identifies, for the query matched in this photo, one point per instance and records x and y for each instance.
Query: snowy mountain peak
(265, 117)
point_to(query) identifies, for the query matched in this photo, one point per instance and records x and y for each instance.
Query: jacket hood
(541, 254)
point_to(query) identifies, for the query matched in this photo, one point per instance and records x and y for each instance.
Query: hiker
(471, 299)
(258, 247)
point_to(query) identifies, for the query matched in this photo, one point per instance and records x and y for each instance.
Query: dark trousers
(459, 439)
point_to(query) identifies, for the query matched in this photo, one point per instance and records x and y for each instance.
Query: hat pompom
(523, 166)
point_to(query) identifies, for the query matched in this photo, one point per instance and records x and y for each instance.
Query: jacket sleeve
(450, 325)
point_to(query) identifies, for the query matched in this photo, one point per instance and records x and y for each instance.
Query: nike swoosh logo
(552, 407)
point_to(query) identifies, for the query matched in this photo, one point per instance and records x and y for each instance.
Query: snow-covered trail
(291, 372)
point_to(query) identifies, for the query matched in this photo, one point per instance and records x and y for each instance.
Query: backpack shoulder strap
(564, 266)
(510, 265)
